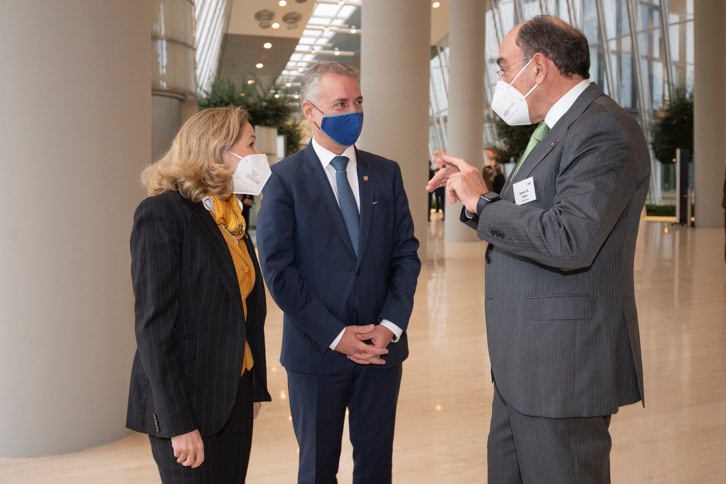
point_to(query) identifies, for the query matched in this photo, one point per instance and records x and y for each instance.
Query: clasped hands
(462, 181)
(365, 344)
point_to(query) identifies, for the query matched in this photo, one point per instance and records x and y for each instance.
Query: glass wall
(438, 98)
(640, 50)
(211, 22)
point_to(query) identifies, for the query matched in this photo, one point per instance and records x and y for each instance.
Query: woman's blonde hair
(194, 166)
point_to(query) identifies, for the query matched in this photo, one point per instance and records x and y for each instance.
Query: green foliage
(512, 141)
(660, 210)
(222, 93)
(259, 100)
(293, 135)
(673, 127)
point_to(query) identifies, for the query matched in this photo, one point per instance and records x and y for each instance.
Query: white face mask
(251, 174)
(509, 103)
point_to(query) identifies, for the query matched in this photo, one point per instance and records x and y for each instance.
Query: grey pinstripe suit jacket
(190, 327)
(562, 325)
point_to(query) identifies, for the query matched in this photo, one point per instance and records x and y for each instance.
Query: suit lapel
(366, 185)
(321, 186)
(553, 137)
(217, 247)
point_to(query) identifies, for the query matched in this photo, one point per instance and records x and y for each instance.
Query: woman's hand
(256, 409)
(189, 449)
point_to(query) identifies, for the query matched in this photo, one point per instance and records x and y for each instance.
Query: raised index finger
(459, 163)
(440, 178)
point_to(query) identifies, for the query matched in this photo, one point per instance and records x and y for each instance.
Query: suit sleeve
(257, 312)
(405, 264)
(276, 243)
(156, 240)
(598, 176)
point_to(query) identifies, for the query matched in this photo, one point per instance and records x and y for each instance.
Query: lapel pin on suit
(365, 178)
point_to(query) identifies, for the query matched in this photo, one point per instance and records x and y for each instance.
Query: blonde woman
(199, 372)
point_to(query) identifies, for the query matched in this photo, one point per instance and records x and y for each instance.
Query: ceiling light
(288, 84)
(337, 52)
(275, 25)
(300, 69)
(296, 96)
(292, 20)
(277, 96)
(267, 45)
(436, 4)
(259, 65)
(341, 2)
(282, 3)
(353, 30)
(264, 15)
(250, 81)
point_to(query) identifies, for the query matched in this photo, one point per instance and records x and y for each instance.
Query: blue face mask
(344, 128)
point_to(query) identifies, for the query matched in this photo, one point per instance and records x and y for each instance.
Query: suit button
(359, 273)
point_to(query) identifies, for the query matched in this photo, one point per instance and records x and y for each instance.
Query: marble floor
(444, 407)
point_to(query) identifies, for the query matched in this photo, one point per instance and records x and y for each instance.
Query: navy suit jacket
(311, 269)
(190, 326)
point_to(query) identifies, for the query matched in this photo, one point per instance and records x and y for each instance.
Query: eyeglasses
(504, 69)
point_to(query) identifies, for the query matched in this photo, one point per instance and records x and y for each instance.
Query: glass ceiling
(328, 18)
(210, 17)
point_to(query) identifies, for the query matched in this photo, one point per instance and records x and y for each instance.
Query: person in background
(562, 324)
(339, 256)
(498, 178)
(432, 196)
(487, 174)
(199, 372)
(247, 202)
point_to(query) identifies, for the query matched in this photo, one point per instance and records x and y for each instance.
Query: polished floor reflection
(444, 408)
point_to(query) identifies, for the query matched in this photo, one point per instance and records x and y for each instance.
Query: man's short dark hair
(563, 44)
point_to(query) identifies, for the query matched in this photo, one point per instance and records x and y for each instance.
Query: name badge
(524, 191)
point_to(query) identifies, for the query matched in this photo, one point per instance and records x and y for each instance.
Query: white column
(466, 98)
(395, 52)
(709, 100)
(74, 134)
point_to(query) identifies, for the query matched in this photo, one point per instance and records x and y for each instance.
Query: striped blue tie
(346, 200)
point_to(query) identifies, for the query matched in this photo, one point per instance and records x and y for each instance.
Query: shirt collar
(209, 203)
(564, 103)
(326, 156)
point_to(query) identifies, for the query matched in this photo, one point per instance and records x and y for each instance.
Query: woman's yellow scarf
(228, 216)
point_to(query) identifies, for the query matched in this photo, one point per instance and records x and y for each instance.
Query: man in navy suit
(339, 256)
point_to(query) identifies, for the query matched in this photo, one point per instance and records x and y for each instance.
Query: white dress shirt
(564, 103)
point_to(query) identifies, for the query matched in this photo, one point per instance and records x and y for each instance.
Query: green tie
(539, 132)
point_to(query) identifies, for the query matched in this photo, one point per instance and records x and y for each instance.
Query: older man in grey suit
(560, 307)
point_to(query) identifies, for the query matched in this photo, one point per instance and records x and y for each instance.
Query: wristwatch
(490, 197)
(485, 199)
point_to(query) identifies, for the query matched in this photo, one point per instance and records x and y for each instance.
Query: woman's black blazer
(190, 327)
